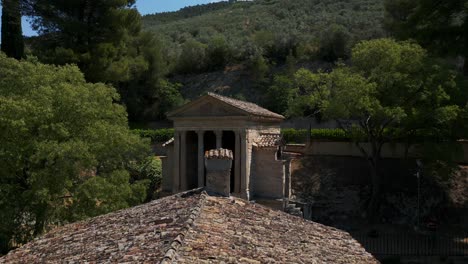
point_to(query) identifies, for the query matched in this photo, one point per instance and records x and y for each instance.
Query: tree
(12, 43)
(218, 52)
(392, 90)
(334, 43)
(66, 149)
(441, 26)
(95, 35)
(105, 40)
(278, 95)
(193, 57)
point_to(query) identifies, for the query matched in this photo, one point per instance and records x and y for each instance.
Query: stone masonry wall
(267, 174)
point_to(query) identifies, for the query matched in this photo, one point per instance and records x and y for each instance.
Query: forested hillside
(261, 35)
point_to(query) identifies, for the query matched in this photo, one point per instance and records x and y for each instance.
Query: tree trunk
(12, 34)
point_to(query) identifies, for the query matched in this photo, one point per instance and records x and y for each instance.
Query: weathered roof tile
(247, 106)
(193, 228)
(269, 140)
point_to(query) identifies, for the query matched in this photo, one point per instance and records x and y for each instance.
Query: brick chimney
(218, 163)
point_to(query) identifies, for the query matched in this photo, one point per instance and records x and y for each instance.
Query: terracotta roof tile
(219, 154)
(141, 233)
(247, 106)
(193, 228)
(269, 140)
(231, 230)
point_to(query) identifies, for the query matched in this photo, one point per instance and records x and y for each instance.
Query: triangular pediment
(207, 106)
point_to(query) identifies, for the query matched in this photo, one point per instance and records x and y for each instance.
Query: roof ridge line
(177, 242)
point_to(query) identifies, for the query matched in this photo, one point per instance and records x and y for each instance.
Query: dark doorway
(209, 142)
(192, 160)
(229, 142)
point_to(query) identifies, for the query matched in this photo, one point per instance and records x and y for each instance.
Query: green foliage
(97, 35)
(291, 135)
(151, 169)
(219, 52)
(259, 68)
(279, 94)
(334, 43)
(105, 40)
(65, 151)
(390, 85)
(438, 25)
(157, 135)
(193, 57)
(108, 193)
(391, 91)
(272, 28)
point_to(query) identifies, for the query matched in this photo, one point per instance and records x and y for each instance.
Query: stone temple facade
(213, 121)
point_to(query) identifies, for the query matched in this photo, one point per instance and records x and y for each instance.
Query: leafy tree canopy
(392, 90)
(65, 150)
(311, 29)
(105, 40)
(441, 26)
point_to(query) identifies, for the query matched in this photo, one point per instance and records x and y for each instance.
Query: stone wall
(389, 150)
(267, 174)
(336, 189)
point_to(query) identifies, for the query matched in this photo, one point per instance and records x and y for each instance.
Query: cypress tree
(12, 35)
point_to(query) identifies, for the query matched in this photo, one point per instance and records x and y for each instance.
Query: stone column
(219, 139)
(201, 167)
(245, 181)
(237, 166)
(218, 164)
(183, 160)
(176, 172)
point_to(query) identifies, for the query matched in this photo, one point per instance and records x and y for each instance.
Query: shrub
(151, 169)
(291, 135)
(156, 136)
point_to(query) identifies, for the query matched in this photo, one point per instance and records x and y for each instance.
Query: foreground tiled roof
(247, 106)
(193, 228)
(269, 140)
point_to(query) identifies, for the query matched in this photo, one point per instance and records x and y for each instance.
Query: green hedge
(156, 135)
(291, 135)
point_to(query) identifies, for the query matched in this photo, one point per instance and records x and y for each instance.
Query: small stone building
(214, 121)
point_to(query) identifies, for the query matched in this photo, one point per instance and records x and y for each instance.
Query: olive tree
(390, 91)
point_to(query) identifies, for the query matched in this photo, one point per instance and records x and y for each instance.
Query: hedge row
(158, 135)
(290, 135)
